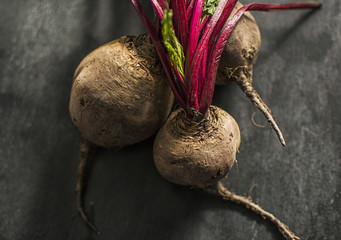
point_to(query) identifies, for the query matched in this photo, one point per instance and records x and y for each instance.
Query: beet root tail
(86, 152)
(247, 202)
(245, 84)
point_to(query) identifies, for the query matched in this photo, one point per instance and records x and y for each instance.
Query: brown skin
(120, 95)
(197, 153)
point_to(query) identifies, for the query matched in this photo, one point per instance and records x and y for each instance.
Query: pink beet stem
(193, 76)
(157, 8)
(194, 30)
(180, 22)
(162, 4)
(203, 44)
(189, 9)
(203, 24)
(193, 38)
(220, 24)
(180, 81)
(189, 3)
(208, 87)
(278, 7)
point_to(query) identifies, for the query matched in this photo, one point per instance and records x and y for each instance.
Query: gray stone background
(297, 74)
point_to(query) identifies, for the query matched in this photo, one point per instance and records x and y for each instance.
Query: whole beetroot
(197, 154)
(120, 95)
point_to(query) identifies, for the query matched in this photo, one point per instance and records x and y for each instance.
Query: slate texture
(297, 74)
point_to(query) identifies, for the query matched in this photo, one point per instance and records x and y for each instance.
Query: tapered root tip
(86, 220)
(247, 202)
(275, 127)
(246, 86)
(86, 150)
(282, 140)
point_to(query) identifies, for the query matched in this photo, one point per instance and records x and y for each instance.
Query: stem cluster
(201, 28)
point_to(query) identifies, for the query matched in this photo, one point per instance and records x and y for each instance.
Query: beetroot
(197, 153)
(120, 95)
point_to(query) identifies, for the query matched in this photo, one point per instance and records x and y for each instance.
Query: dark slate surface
(297, 74)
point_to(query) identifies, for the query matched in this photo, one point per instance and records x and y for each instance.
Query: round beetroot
(197, 153)
(120, 95)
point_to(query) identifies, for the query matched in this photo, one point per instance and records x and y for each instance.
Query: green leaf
(171, 42)
(209, 8)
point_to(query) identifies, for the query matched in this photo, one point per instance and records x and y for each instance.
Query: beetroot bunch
(120, 94)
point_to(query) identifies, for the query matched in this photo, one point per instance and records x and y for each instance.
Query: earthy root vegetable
(197, 153)
(197, 145)
(120, 95)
